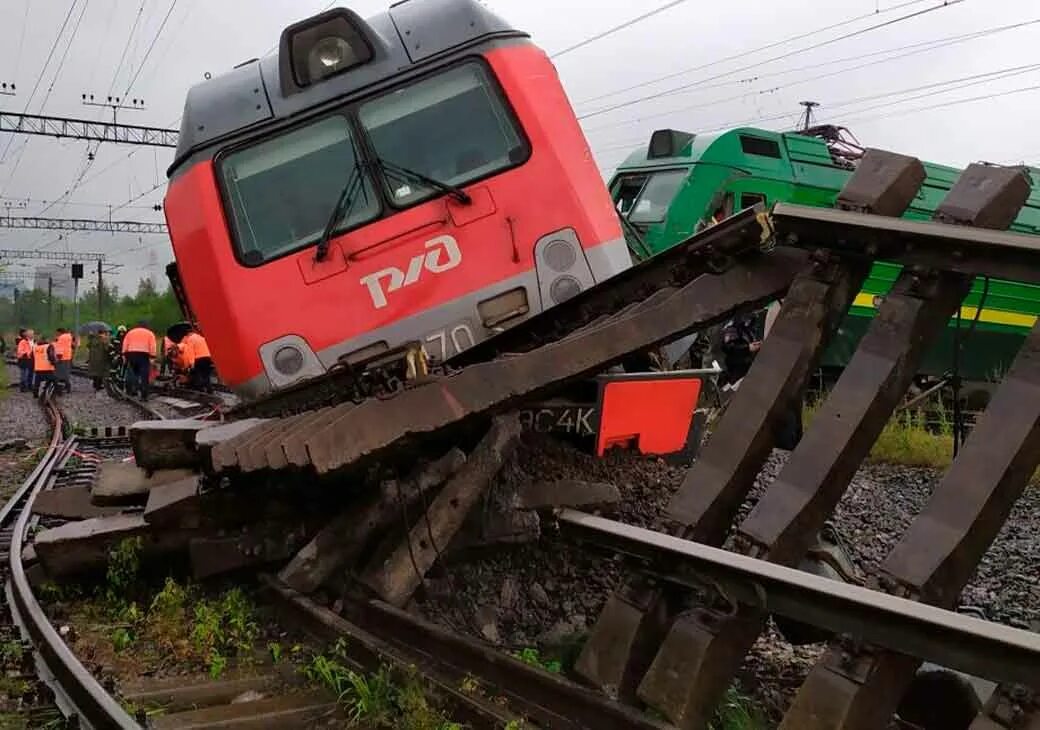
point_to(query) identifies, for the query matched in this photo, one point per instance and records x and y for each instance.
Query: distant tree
(145, 289)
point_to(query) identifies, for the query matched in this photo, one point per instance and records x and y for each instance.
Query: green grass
(906, 441)
(378, 699)
(737, 712)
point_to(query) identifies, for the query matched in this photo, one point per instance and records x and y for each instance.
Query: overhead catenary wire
(92, 154)
(54, 79)
(912, 49)
(151, 47)
(21, 41)
(947, 104)
(631, 102)
(955, 84)
(32, 94)
(751, 52)
(611, 31)
(785, 115)
(126, 47)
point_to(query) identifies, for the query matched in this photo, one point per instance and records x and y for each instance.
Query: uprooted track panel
(680, 661)
(677, 651)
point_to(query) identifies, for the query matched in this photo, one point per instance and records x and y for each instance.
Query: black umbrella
(176, 332)
(92, 328)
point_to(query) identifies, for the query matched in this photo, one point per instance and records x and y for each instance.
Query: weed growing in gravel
(124, 564)
(330, 671)
(737, 712)
(51, 592)
(906, 441)
(530, 655)
(376, 700)
(179, 624)
(11, 652)
(224, 627)
(122, 638)
(371, 699)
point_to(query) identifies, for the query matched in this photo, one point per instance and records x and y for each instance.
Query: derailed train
(416, 177)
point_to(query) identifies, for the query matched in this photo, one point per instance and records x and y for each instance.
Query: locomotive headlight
(288, 360)
(563, 270)
(564, 288)
(323, 46)
(328, 55)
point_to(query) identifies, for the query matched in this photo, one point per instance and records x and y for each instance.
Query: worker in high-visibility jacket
(139, 351)
(200, 364)
(63, 347)
(24, 353)
(44, 360)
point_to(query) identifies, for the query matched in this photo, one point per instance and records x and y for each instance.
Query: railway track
(674, 649)
(675, 634)
(78, 696)
(79, 700)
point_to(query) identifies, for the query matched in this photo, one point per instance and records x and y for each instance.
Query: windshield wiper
(344, 205)
(453, 190)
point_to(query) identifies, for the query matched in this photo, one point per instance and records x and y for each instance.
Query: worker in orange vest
(63, 348)
(139, 351)
(24, 353)
(199, 361)
(44, 359)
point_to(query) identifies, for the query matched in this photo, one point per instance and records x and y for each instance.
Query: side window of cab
(749, 200)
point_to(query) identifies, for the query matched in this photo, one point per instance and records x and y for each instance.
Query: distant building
(61, 280)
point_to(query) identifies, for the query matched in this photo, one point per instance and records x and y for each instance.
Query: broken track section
(659, 643)
(657, 302)
(676, 651)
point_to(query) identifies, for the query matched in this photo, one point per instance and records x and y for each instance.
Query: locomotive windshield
(452, 128)
(645, 198)
(281, 190)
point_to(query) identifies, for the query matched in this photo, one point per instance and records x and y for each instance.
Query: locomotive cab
(415, 177)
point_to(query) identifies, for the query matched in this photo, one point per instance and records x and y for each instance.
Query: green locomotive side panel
(712, 176)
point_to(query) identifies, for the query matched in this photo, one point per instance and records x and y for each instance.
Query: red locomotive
(419, 176)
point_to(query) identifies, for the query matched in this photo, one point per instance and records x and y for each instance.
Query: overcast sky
(879, 82)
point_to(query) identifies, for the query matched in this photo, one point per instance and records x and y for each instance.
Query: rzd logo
(442, 254)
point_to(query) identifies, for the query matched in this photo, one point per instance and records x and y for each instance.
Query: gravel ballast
(548, 594)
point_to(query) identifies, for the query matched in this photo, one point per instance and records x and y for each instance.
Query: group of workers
(138, 358)
(127, 357)
(44, 365)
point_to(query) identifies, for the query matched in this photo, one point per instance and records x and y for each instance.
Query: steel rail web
(974, 646)
(76, 691)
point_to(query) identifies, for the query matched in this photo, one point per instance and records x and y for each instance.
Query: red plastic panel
(652, 414)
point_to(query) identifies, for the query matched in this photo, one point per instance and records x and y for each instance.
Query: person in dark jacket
(740, 343)
(98, 362)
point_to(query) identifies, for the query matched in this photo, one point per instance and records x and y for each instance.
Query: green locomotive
(682, 182)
